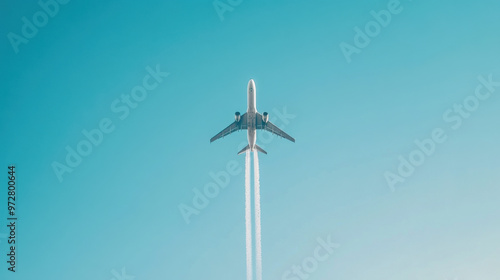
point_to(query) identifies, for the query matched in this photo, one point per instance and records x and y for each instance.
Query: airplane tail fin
(244, 150)
(260, 149)
(248, 148)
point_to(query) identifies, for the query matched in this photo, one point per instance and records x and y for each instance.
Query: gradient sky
(119, 207)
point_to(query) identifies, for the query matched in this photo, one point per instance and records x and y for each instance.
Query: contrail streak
(248, 216)
(258, 245)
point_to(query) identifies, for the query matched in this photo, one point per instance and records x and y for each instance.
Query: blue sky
(119, 207)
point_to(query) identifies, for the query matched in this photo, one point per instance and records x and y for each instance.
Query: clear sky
(353, 115)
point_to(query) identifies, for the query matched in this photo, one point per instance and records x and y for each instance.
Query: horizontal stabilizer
(260, 149)
(255, 148)
(244, 150)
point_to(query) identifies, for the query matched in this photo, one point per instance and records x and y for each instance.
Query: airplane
(251, 121)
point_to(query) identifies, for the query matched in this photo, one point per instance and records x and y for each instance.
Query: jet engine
(265, 117)
(237, 116)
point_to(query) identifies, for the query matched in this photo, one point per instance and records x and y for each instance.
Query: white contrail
(258, 245)
(248, 216)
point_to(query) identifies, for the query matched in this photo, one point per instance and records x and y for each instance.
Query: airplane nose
(251, 83)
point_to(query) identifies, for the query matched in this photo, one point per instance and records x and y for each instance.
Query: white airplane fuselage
(251, 110)
(251, 121)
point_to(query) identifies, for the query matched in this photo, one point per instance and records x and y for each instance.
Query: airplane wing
(235, 126)
(269, 126)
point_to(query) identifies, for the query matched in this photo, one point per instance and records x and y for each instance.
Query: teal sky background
(119, 207)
